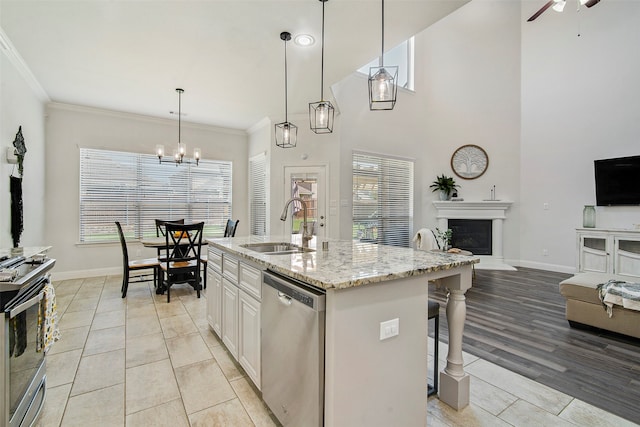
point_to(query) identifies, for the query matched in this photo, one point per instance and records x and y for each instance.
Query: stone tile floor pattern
(139, 361)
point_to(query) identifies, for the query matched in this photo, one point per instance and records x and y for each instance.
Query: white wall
(71, 127)
(21, 105)
(466, 92)
(579, 103)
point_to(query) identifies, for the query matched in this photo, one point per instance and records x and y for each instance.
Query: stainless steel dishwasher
(293, 322)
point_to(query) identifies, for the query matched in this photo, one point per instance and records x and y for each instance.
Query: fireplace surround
(494, 210)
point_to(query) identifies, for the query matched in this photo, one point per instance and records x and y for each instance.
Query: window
(382, 199)
(258, 195)
(402, 56)
(136, 190)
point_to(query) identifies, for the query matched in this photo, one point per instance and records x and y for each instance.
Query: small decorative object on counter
(589, 216)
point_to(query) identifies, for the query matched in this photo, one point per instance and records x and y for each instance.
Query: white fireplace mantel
(495, 210)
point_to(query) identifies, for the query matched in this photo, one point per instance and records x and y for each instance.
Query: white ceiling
(227, 55)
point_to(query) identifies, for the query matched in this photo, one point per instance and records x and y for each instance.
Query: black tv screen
(617, 181)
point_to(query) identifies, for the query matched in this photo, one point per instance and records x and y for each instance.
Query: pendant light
(321, 112)
(181, 150)
(383, 82)
(286, 132)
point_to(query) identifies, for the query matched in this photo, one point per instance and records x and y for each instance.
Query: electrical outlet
(545, 252)
(545, 206)
(138, 252)
(389, 329)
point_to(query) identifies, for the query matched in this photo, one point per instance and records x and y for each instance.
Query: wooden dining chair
(181, 260)
(230, 229)
(135, 265)
(160, 225)
(160, 229)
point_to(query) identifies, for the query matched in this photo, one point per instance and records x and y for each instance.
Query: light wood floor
(516, 320)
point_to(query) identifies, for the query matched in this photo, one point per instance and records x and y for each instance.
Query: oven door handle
(25, 305)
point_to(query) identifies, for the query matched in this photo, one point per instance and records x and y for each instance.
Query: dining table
(160, 243)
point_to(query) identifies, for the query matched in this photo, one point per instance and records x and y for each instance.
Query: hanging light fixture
(321, 112)
(286, 132)
(181, 150)
(383, 82)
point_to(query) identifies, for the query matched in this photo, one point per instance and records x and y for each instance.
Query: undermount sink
(276, 248)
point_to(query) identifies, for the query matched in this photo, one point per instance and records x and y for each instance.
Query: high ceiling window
(402, 56)
(136, 190)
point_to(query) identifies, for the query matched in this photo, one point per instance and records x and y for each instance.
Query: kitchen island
(369, 381)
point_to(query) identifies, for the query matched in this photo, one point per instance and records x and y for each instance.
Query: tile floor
(142, 362)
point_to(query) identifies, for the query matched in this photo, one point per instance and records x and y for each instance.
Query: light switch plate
(389, 328)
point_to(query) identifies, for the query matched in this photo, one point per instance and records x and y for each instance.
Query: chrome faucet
(306, 235)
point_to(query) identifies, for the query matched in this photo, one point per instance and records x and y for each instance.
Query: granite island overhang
(369, 381)
(346, 263)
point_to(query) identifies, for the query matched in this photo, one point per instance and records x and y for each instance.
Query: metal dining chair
(135, 265)
(181, 260)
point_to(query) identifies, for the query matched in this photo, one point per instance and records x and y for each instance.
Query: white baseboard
(57, 276)
(545, 266)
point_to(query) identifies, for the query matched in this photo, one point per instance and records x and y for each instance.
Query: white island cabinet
(233, 308)
(367, 380)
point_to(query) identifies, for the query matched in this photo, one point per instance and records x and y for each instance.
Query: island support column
(454, 382)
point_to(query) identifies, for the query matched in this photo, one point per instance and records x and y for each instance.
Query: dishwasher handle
(290, 290)
(284, 299)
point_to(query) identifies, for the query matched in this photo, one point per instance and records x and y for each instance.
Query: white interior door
(308, 183)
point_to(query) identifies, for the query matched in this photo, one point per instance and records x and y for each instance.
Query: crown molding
(9, 50)
(140, 117)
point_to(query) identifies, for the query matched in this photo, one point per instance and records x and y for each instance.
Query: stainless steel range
(22, 366)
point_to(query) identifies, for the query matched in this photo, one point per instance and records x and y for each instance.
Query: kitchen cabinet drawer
(230, 268)
(250, 280)
(214, 260)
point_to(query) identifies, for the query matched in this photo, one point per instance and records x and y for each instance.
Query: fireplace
(472, 235)
(491, 211)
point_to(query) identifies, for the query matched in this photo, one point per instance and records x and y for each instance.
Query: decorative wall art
(469, 161)
(16, 190)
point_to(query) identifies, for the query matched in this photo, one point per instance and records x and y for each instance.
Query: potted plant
(446, 185)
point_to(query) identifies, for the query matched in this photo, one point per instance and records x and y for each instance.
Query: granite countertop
(346, 264)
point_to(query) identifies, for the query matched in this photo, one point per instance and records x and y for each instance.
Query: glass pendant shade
(286, 135)
(383, 82)
(321, 112)
(383, 87)
(286, 132)
(558, 5)
(321, 116)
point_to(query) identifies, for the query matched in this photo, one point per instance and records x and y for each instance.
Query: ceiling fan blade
(592, 3)
(545, 7)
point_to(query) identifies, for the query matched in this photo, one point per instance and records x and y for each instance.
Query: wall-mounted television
(617, 181)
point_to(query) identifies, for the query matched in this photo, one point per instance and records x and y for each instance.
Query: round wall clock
(469, 161)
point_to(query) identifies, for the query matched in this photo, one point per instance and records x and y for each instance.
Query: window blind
(258, 195)
(382, 199)
(136, 190)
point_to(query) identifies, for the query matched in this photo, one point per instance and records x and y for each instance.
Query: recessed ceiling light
(304, 40)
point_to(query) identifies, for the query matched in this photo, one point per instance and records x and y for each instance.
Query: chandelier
(180, 151)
